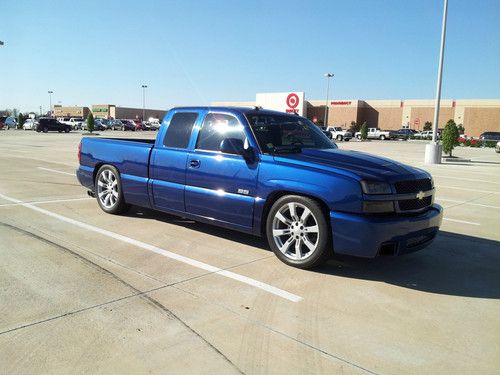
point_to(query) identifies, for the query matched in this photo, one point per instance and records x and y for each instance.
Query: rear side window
(179, 129)
(215, 128)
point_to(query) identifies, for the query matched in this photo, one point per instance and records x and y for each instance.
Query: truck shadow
(454, 264)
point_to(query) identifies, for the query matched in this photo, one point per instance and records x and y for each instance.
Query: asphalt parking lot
(83, 291)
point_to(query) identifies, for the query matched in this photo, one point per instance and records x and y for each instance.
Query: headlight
(372, 187)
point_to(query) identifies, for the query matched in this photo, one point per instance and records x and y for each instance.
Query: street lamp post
(144, 87)
(50, 101)
(328, 76)
(434, 150)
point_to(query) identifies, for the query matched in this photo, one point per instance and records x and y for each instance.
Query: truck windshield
(286, 134)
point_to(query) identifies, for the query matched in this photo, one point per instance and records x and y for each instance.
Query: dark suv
(51, 124)
(490, 136)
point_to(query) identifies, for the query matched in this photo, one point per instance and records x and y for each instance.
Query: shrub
(450, 137)
(20, 121)
(428, 125)
(90, 123)
(354, 128)
(364, 131)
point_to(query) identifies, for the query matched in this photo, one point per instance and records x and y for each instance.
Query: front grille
(414, 204)
(413, 186)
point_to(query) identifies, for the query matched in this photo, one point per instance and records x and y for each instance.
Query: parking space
(89, 292)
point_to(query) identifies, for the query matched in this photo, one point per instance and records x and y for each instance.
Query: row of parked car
(100, 124)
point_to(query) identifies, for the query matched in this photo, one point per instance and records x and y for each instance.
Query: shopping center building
(107, 111)
(475, 115)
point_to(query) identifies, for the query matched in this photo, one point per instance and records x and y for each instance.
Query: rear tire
(382, 137)
(45, 130)
(298, 232)
(339, 138)
(108, 190)
(359, 136)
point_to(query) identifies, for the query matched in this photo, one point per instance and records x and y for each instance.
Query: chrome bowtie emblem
(420, 195)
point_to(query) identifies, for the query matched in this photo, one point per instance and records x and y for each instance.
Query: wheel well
(275, 195)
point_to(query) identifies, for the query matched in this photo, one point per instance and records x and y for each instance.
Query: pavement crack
(138, 293)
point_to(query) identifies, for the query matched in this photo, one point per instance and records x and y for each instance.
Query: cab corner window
(179, 129)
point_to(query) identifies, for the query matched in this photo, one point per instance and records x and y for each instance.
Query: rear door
(169, 160)
(221, 186)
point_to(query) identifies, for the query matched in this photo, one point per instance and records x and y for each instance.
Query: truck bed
(129, 156)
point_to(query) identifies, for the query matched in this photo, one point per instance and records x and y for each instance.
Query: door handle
(194, 163)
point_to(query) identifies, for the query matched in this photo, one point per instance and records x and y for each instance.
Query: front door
(220, 186)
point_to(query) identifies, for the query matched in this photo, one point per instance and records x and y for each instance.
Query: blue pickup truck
(270, 174)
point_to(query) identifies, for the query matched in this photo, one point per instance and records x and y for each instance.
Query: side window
(217, 127)
(179, 129)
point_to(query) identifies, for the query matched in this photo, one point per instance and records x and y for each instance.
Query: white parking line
(466, 189)
(51, 201)
(467, 203)
(56, 171)
(204, 266)
(466, 179)
(461, 221)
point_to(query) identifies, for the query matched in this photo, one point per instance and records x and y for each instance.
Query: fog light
(377, 207)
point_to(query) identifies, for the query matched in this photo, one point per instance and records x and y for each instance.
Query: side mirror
(236, 146)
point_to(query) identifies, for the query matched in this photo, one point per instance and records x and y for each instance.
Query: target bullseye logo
(292, 100)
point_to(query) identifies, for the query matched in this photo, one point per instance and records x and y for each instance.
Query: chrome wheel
(107, 189)
(295, 231)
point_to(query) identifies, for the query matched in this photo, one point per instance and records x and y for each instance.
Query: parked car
(406, 133)
(98, 125)
(376, 133)
(9, 122)
(138, 124)
(339, 134)
(325, 132)
(115, 124)
(128, 125)
(30, 124)
(497, 147)
(46, 124)
(270, 174)
(106, 123)
(76, 123)
(427, 134)
(490, 136)
(154, 123)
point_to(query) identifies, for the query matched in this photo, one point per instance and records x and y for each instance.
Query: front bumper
(369, 236)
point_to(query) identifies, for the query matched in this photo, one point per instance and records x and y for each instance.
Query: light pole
(434, 150)
(50, 101)
(144, 87)
(328, 76)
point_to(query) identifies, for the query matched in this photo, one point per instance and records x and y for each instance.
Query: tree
(364, 131)
(90, 123)
(20, 121)
(354, 128)
(428, 125)
(450, 137)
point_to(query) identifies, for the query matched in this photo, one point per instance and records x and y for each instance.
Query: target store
(476, 115)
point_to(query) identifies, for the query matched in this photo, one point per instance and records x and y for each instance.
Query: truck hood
(354, 163)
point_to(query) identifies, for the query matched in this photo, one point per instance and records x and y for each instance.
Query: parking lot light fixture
(328, 76)
(144, 87)
(434, 150)
(50, 101)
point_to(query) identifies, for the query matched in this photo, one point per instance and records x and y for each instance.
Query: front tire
(109, 193)
(298, 232)
(359, 137)
(382, 137)
(339, 138)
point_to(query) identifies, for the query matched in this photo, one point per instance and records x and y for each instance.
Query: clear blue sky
(195, 52)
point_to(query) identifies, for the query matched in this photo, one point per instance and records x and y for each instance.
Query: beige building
(112, 111)
(73, 111)
(476, 115)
